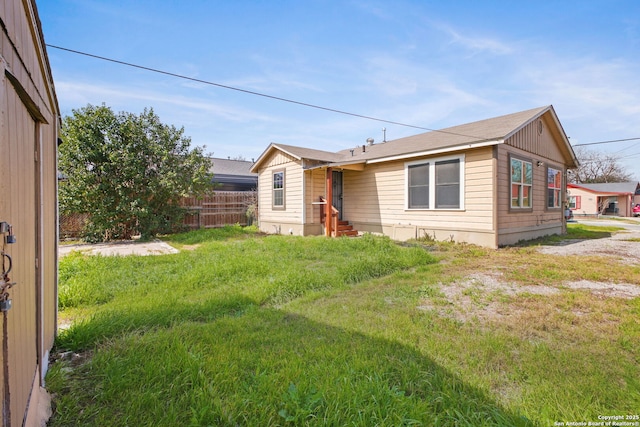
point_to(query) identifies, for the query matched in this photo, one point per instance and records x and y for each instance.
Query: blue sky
(432, 64)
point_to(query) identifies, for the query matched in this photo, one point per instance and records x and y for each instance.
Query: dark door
(337, 192)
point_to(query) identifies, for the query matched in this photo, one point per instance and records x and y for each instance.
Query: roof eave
(271, 147)
(349, 165)
(565, 139)
(322, 157)
(535, 117)
(602, 193)
(574, 160)
(453, 149)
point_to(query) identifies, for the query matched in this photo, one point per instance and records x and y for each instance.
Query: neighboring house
(28, 203)
(615, 198)
(233, 175)
(493, 182)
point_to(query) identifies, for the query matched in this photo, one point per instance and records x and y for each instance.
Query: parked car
(636, 210)
(568, 214)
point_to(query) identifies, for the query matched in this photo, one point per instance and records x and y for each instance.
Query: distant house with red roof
(613, 198)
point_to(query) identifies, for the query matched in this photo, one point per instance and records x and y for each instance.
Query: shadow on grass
(265, 367)
(119, 320)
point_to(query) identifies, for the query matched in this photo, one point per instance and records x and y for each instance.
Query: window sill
(434, 210)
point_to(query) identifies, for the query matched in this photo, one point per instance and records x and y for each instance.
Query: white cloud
(476, 43)
(73, 93)
(599, 96)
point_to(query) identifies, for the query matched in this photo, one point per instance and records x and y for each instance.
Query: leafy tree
(596, 167)
(127, 172)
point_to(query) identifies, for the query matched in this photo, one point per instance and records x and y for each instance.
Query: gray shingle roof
(231, 167)
(310, 153)
(612, 187)
(495, 129)
(488, 131)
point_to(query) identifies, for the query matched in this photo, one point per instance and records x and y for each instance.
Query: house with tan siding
(29, 119)
(492, 183)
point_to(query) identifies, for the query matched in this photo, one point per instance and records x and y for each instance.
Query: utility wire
(304, 104)
(629, 156)
(250, 92)
(606, 142)
(628, 147)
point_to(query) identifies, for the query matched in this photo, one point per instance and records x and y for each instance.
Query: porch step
(345, 229)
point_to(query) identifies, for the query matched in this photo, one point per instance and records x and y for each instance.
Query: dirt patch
(485, 296)
(482, 296)
(616, 290)
(156, 247)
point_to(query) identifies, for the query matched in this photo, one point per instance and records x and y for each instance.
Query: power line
(250, 92)
(606, 142)
(629, 156)
(304, 104)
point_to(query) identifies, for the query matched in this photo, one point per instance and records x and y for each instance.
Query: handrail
(335, 214)
(323, 203)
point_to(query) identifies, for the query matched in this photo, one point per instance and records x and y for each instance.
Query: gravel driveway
(623, 245)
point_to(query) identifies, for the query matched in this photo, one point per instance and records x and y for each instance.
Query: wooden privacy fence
(71, 225)
(215, 210)
(220, 209)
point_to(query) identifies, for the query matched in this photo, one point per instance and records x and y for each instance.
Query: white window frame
(574, 202)
(273, 190)
(432, 182)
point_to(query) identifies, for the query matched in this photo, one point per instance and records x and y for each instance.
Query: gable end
(542, 137)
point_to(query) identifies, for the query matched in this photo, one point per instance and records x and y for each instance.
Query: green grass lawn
(251, 330)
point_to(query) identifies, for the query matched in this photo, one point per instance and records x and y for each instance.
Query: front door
(337, 192)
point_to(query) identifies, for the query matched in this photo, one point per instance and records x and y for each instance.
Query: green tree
(127, 172)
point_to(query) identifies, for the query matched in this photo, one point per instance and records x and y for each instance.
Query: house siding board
(28, 201)
(19, 213)
(293, 211)
(514, 225)
(25, 65)
(543, 145)
(588, 202)
(49, 261)
(315, 188)
(383, 201)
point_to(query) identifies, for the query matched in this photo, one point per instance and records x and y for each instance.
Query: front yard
(243, 329)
